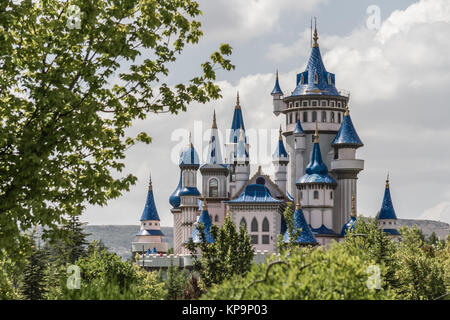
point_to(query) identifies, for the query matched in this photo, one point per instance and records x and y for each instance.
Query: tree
(175, 283)
(33, 287)
(231, 253)
(73, 77)
(293, 232)
(334, 273)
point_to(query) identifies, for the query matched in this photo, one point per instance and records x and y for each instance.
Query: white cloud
(440, 212)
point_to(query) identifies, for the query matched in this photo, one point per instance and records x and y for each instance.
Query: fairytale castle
(315, 168)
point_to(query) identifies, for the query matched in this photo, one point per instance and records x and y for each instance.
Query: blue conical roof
(189, 156)
(206, 220)
(238, 123)
(276, 88)
(280, 151)
(350, 225)
(387, 209)
(316, 171)
(174, 198)
(306, 236)
(347, 135)
(298, 128)
(150, 212)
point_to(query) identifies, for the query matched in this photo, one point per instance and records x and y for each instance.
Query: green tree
(338, 272)
(231, 253)
(175, 283)
(33, 286)
(69, 91)
(293, 232)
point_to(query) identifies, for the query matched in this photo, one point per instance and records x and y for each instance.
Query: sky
(397, 71)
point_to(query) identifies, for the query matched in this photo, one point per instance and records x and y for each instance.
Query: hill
(119, 237)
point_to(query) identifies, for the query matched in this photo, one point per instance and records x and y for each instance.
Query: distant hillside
(118, 238)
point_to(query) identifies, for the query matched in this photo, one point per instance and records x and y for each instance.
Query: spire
(206, 221)
(276, 89)
(316, 134)
(280, 137)
(347, 111)
(347, 135)
(190, 139)
(315, 37)
(306, 236)
(150, 212)
(150, 187)
(238, 122)
(214, 124)
(189, 156)
(298, 128)
(387, 181)
(387, 209)
(280, 153)
(353, 212)
(237, 100)
(298, 205)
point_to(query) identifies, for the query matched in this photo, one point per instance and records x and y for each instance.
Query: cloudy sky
(398, 74)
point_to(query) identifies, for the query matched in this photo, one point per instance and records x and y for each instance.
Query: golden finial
(150, 187)
(353, 212)
(277, 74)
(298, 205)
(387, 181)
(279, 137)
(237, 101)
(214, 124)
(190, 140)
(204, 208)
(347, 111)
(316, 134)
(315, 37)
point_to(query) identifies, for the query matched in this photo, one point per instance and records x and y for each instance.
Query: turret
(280, 160)
(296, 165)
(387, 219)
(346, 167)
(306, 237)
(204, 219)
(277, 95)
(150, 235)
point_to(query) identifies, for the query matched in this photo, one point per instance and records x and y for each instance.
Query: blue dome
(306, 236)
(189, 157)
(316, 171)
(174, 198)
(315, 70)
(189, 191)
(387, 209)
(206, 220)
(350, 225)
(347, 135)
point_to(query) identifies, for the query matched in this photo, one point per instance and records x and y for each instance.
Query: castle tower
(306, 237)
(149, 238)
(183, 224)
(277, 95)
(350, 225)
(316, 191)
(387, 219)
(314, 99)
(214, 177)
(297, 168)
(206, 221)
(346, 167)
(237, 126)
(280, 162)
(241, 163)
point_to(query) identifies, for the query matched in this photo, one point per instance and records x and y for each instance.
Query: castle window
(243, 222)
(254, 225)
(339, 104)
(316, 194)
(332, 103)
(297, 104)
(290, 118)
(332, 117)
(324, 116)
(314, 116)
(339, 117)
(265, 239)
(216, 218)
(316, 78)
(301, 195)
(254, 238)
(213, 188)
(305, 116)
(331, 194)
(305, 103)
(324, 103)
(265, 225)
(314, 103)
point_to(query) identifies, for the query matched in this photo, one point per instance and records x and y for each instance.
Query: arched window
(316, 194)
(332, 117)
(265, 225)
(213, 188)
(216, 218)
(243, 222)
(254, 225)
(290, 118)
(324, 116)
(260, 180)
(339, 117)
(314, 116)
(331, 194)
(305, 116)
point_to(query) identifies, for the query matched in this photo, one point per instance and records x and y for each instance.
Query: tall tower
(297, 167)
(346, 167)
(189, 164)
(280, 160)
(149, 238)
(314, 99)
(237, 126)
(241, 163)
